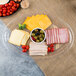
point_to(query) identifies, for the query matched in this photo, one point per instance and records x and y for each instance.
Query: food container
(63, 48)
(35, 41)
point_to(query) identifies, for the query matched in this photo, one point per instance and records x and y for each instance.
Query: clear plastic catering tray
(63, 48)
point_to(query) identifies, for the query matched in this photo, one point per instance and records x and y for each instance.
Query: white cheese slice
(16, 37)
(25, 38)
(3, 2)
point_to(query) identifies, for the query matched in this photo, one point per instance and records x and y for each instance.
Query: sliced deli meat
(38, 49)
(57, 35)
(63, 35)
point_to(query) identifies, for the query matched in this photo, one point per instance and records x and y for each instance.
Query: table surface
(64, 64)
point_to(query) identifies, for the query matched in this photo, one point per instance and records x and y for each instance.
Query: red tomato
(1, 6)
(4, 14)
(0, 14)
(11, 1)
(6, 5)
(8, 11)
(11, 12)
(18, 5)
(49, 49)
(27, 47)
(0, 10)
(15, 9)
(23, 46)
(24, 50)
(15, 5)
(52, 45)
(10, 4)
(52, 49)
(4, 11)
(7, 14)
(4, 8)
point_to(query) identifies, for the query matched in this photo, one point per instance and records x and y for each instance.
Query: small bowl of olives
(37, 35)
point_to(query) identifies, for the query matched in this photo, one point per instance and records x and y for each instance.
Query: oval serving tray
(63, 48)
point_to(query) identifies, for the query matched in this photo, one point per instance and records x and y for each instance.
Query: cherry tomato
(52, 45)
(27, 47)
(0, 14)
(11, 12)
(18, 5)
(4, 14)
(0, 10)
(52, 49)
(10, 4)
(8, 11)
(7, 14)
(11, 1)
(1, 6)
(15, 5)
(4, 8)
(15, 9)
(4, 11)
(23, 46)
(6, 5)
(24, 50)
(49, 49)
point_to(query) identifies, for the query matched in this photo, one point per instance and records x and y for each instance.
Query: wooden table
(64, 64)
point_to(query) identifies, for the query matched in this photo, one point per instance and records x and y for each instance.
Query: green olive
(43, 35)
(41, 31)
(40, 36)
(33, 34)
(41, 39)
(36, 30)
(35, 37)
(37, 41)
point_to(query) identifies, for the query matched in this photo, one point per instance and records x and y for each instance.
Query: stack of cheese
(38, 49)
(18, 37)
(38, 21)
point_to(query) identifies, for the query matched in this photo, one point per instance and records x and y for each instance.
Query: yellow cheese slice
(16, 37)
(38, 21)
(45, 22)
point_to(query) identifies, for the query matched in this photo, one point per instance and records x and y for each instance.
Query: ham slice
(57, 35)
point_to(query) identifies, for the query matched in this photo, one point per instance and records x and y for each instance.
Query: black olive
(37, 34)
(39, 30)
(33, 31)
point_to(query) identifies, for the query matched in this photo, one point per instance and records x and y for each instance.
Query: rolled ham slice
(57, 35)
